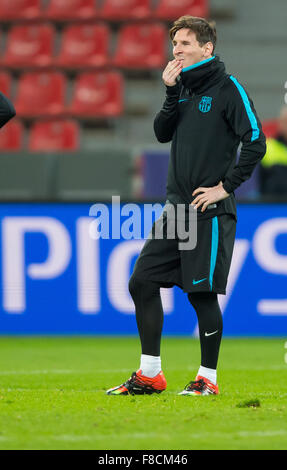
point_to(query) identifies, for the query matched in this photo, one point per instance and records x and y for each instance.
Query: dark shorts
(202, 269)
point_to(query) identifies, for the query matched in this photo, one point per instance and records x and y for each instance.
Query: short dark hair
(204, 31)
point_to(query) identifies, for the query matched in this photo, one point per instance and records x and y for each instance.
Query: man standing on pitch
(206, 114)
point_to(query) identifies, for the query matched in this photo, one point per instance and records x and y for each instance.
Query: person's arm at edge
(7, 110)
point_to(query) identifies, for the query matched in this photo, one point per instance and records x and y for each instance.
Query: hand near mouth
(171, 72)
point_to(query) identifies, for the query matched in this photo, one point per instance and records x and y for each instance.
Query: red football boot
(139, 384)
(200, 386)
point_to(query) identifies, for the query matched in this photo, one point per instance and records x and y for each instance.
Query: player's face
(187, 49)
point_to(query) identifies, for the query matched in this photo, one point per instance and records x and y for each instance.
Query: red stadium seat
(11, 136)
(29, 46)
(98, 94)
(141, 46)
(54, 136)
(70, 9)
(125, 9)
(5, 83)
(173, 9)
(19, 9)
(84, 45)
(270, 128)
(40, 94)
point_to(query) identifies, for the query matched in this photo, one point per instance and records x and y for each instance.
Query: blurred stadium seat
(70, 9)
(270, 127)
(19, 9)
(84, 45)
(172, 9)
(125, 9)
(40, 94)
(11, 136)
(54, 136)
(98, 94)
(5, 83)
(141, 46)
(29, 46)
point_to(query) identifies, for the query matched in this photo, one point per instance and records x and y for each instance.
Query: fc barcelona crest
(205, 104)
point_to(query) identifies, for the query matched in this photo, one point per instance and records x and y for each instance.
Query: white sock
(209, 374)
(150, 365)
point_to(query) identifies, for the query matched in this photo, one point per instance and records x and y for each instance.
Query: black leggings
(149, 317)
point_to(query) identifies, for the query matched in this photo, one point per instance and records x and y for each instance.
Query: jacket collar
(202, 75)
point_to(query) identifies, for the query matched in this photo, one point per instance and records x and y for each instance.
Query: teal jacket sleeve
(166, 120)
(242, 117)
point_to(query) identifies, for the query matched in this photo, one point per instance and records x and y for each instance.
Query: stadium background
(85, 78)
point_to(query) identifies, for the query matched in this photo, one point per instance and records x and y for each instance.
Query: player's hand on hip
(171, 72)
(206, 196)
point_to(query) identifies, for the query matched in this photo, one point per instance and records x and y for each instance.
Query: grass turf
(52, 396)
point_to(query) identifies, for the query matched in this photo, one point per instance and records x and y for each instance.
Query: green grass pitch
(52, 396)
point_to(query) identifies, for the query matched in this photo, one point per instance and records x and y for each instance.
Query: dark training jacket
(206, 115)
(7, 110)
